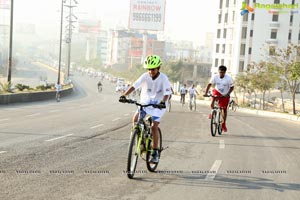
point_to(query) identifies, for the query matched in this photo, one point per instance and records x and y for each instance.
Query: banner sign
(147, 15)
(4, 4)
(89, 26)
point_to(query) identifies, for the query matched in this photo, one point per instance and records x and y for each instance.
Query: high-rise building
(248, 30)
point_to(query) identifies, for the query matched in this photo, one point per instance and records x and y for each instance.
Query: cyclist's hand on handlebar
(161, 105)
(122, 99)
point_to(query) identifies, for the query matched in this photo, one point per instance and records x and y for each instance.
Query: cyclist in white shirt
(192, 91)
(223, 87)
(183, 92)
(58, 87)
(155, 89)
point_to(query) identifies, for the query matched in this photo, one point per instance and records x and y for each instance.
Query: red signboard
(89, 26)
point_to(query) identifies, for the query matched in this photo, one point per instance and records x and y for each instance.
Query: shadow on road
(222, 181)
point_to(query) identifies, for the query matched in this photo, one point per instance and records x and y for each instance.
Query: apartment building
(242, 38)
(127, 47)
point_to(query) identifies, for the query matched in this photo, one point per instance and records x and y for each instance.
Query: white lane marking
(1, 120)
(214, 170)
(116, 119)
(57, 138)
(97, 126)
(35, 114)
(52, 111)
(126, 114)
(2, 152)
(222, 144)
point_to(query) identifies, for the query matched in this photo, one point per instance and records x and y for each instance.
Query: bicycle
(99, 88)
(192, 103)
(216, 117)
(57, 96)
(141, 140)
(182, 99)
(233, 106)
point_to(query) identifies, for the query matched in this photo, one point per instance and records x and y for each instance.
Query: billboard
(4, 4)
(147, 15)
(89, 26)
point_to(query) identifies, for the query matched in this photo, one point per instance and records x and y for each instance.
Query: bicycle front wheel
(57, 97)
(190, 105)
(213, 123)
(219, 122)
(132, 154)
(152, 166)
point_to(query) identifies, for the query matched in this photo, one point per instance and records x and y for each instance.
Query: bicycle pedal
(164, 148)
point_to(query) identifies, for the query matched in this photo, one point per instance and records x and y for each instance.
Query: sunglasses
(152, 69)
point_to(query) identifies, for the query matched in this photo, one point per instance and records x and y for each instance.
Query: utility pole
(60, 40)
(69, 31)
(10, 42)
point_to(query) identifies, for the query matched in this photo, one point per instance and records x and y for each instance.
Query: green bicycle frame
(140, 139)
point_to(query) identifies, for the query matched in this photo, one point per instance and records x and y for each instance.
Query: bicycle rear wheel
(152, 166)
(169, 106)
(195, 105)
(132, 154)
(213, 123)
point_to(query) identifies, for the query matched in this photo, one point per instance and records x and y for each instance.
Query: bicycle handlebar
(214, 96)
(130, 101)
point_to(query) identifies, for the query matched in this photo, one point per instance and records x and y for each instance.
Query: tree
(288, 65)
(263, 78)
(242, 81)
(173, 70)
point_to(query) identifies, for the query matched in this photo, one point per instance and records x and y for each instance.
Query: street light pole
(10, 42)
(60, 41)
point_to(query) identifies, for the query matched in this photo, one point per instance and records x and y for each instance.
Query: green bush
(22, 87)
(5, 87)
(40, 87)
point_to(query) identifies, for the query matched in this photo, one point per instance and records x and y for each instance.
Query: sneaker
(224, 128)
(155, 157)
(209, 116)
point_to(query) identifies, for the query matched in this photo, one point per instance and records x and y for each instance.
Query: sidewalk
(251, 111)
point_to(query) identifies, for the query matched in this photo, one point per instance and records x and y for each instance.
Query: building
(127, 47)
(248, 29)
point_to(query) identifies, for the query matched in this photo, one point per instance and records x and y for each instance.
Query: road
(76, 149)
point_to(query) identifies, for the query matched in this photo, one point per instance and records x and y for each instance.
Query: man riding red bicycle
(223, 87)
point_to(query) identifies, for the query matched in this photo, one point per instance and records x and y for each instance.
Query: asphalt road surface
(77, 150)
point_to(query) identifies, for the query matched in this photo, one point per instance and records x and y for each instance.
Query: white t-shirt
(183, 90)
(222, 84)
(58, 87)
(153, 91)
(192, 91)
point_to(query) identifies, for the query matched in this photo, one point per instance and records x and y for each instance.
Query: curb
(251, 111)
(32, 96)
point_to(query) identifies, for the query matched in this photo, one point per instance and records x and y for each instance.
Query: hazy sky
(184, 20)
